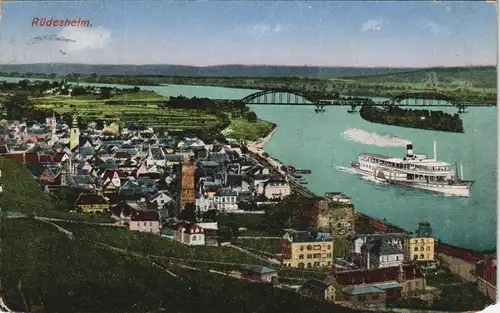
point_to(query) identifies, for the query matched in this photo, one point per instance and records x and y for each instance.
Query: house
(260, 274)
(380, 253)
(310, 248)
(357, 242)
(420, 246)
(91, 203)
(403, 280)
(145, 221)
(226, 200)
(369, 294)
(317, 289)
(161, 199)
(189, 234)
(276, 189)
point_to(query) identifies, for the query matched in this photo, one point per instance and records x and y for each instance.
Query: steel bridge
(282, 96)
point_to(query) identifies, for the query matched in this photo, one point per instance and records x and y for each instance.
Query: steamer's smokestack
(409, 150)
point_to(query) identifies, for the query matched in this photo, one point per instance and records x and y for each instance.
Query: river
(320, 142)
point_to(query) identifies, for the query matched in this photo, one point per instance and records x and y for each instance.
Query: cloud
(372, 25)
(265, 29)
(86, 37)
(436, 29)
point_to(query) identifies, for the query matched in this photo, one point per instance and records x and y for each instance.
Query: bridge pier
(320, 108)
(353, 109)
(461, 109)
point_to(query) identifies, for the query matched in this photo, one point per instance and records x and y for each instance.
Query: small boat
(303, 182)
(300, 171)
(351, 111)
(298, 176)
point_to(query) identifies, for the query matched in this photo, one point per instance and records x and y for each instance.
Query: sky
(203, 33)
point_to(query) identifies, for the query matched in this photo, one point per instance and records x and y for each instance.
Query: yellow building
(420, 246)
(74, 134)
(310, 248)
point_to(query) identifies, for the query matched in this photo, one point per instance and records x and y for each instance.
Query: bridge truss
(415, 99)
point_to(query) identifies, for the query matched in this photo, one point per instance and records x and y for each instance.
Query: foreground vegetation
(22, 193)
(422, 119)
(44, 271)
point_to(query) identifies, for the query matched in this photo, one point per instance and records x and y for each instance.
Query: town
(197, 193)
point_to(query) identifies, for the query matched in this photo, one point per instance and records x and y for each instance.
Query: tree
(188, 214)
(210, 215)
(251, 116)
(19, 106)
(228, 232)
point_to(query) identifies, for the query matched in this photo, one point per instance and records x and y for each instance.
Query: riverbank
(258, 145)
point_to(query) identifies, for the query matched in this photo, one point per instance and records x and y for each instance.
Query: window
(428, 248)
(416, 248)
(415, 257)
(328, 263)
(309, 256)
(309, 247)
(194, 238)
(374, 297)
(329, 255)
(397, 258)
(308, 265)
(317, 247)
(329, 247)
(144, 223)
(301, 248)
(151, 224)
(301, 256)
(361, 298)
(422, 256)
(422, 248)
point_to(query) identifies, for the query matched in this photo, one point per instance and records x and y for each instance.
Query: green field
(243, 129)
(153, 244)
(44, 271)
(145, 113)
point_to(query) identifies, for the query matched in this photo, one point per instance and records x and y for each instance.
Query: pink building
(276, 189)
(144, 221)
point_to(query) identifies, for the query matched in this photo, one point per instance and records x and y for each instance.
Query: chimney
(409, 150)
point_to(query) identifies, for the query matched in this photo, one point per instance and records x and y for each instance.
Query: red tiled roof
(120, 208)
(90, 198)
(463, 254)
(110, 174)
(16, 156)
(378, 275)
(45, 158)
(32, 158)
(189, 227)
(140, 216)
(58, 156)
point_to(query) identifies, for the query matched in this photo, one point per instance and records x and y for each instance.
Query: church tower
(53, 125)
(74, 135)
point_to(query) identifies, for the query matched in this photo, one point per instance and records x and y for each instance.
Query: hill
(477, 77)
(44, 271)
(196, 71)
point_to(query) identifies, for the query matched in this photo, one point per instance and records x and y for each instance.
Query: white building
(189, 234)
(381, 254)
